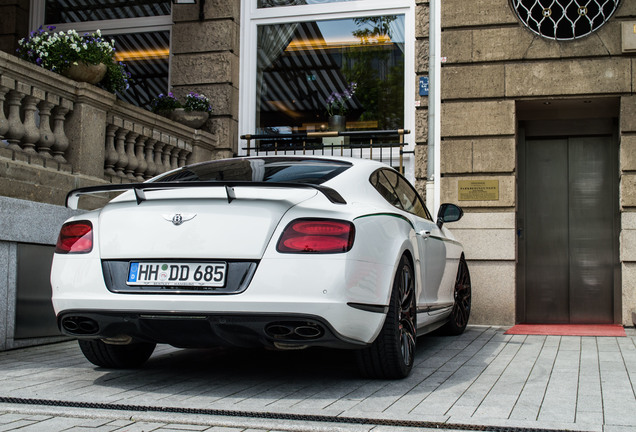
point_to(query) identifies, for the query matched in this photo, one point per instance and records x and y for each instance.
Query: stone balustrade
(57, 134)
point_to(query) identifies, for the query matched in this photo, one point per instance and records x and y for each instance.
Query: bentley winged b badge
(179, 218)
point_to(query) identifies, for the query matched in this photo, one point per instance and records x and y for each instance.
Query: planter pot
(83, 72)
(193, 119)
(337, 123)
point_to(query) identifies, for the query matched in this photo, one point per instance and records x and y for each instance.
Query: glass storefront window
(300, 65)
(147, 58)
(69, 11)
(276, 3)
(140, 28)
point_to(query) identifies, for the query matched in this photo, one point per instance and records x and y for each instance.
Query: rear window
(280, 170)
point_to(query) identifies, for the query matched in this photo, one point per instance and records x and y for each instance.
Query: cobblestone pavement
(481, 380)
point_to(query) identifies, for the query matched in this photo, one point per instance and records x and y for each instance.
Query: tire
(116, 356)
(392, 354)
(460, 314)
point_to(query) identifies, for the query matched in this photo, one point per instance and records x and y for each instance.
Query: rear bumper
(307, 287)
(199, 330)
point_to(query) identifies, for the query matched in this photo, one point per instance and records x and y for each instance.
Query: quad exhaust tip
(77, 325)
(291, 330)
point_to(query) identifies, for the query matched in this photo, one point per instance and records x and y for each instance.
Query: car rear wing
(72, 198)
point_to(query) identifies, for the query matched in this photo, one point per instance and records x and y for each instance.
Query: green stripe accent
(446, 240)
(395, 215)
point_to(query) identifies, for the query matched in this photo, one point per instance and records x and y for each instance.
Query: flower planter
(84, 72)
(193, 119)
(337, 123)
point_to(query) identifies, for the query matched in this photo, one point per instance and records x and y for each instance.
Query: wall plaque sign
(478, 190)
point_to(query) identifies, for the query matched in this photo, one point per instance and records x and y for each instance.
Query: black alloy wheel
(460, 314)
(392, 354)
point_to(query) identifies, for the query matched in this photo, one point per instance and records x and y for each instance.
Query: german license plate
(198, 274)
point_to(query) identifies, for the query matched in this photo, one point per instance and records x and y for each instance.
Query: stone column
(86, 152)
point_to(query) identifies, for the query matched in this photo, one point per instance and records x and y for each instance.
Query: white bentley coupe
(283, 252)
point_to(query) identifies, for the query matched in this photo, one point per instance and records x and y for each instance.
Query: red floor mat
(613, 330)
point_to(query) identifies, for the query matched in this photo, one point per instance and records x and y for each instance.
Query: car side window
(382, 185)
(399, 192)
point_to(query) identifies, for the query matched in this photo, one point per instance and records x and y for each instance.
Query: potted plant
(195, 111)
(164, 105)
(337, 107)
(89, 57)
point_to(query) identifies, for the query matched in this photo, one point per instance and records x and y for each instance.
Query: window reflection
(147, 58)
(276, 3)
(73, 11)
(301, 64)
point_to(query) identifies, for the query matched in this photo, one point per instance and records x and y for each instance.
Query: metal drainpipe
(434, 107)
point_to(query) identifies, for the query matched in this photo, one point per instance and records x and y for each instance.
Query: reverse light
(317, 236)
(75, 237)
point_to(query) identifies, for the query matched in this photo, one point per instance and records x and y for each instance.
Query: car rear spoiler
(72, 198)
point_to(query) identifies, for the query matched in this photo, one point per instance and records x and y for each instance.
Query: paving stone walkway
(481, 378)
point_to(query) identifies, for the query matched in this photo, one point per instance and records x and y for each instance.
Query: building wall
(422, 10)
(493, 63)
(206, 59)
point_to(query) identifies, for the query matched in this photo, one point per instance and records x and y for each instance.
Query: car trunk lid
(190, 224)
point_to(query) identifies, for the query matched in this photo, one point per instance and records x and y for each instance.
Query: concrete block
(473, 82)
(628, 115)
(628, 190)
(422, 20)
(628, 153)
(628, 279)
(500, 44)
(628, 245)
(191, 69)
(476, 13)
(218, 35)
(628, 220)
(487, 243)
(421, 161)
(421, 126)
(507, 191)
(493, 292)
(463, 119)
(626, 10)
(456, 156)
(485, 220)
(569, 77)
(421, 56)
(457, 46)
(494, 155)
(214, 9)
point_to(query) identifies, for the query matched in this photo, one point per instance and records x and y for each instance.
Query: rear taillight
(75, 237)
(317, 236)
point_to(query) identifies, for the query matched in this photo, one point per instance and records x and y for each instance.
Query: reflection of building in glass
(300, 65)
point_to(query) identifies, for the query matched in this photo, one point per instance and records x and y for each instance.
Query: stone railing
(81, 135)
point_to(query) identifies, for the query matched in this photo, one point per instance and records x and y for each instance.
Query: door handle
(424, 233)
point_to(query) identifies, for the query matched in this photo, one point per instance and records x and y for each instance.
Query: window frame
(252, 17)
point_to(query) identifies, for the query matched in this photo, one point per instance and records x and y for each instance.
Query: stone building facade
(539, 119)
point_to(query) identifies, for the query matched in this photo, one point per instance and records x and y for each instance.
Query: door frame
(559, 129)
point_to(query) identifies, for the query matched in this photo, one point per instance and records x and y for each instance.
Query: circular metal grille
(564, 19)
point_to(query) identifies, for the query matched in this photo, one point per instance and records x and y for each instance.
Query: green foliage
(59, 51)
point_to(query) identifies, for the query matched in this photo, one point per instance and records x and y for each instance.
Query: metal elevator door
(569, 236)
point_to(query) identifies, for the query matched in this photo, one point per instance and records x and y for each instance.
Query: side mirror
(448, 213)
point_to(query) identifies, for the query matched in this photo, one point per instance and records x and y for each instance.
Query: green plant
(59, 51)
(197, 102)
(165, 103)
